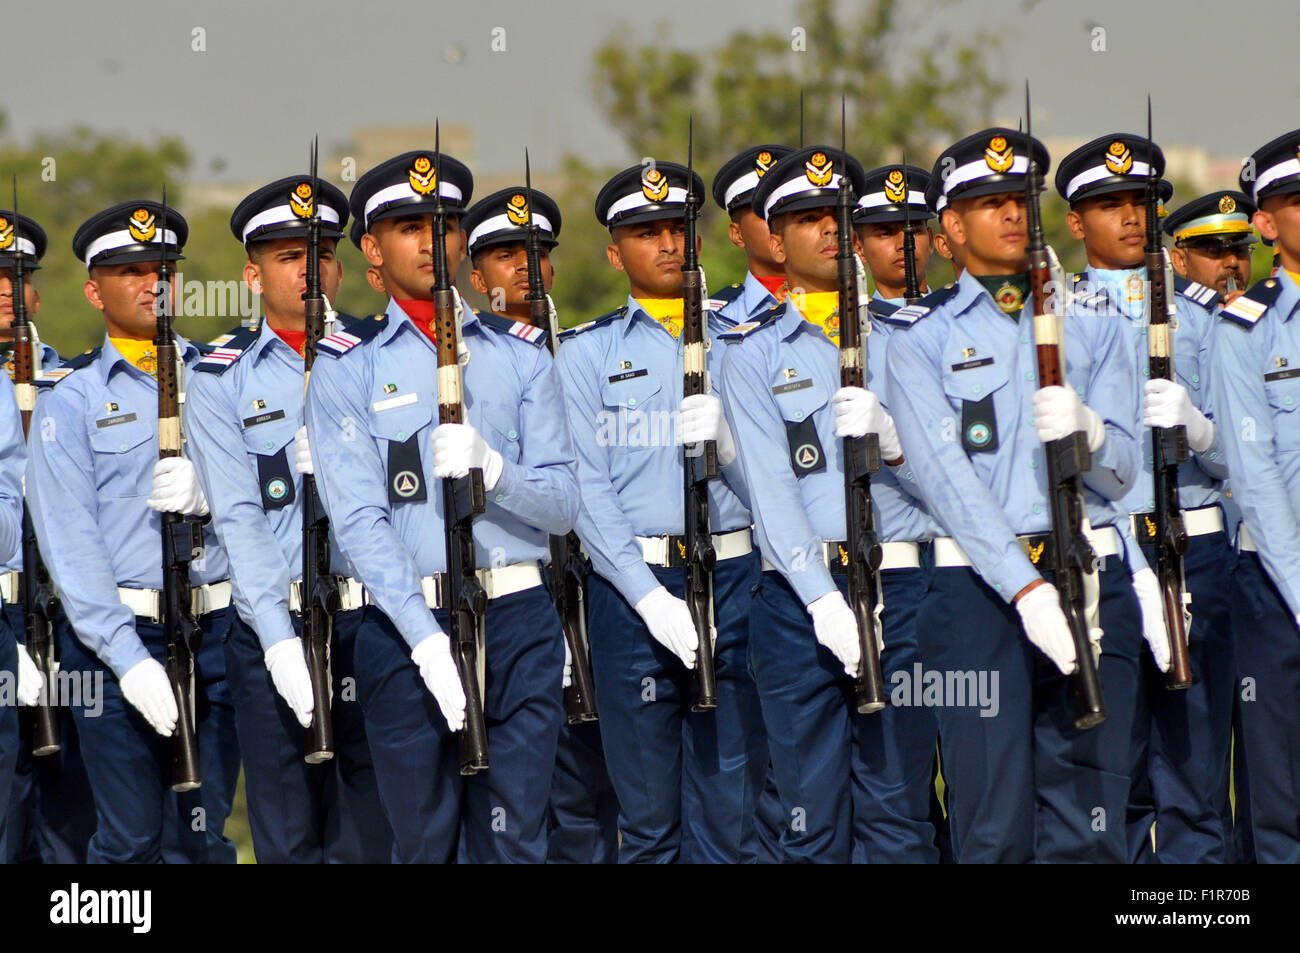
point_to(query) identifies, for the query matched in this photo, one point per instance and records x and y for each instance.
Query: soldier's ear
(1263, 221)
(91, 290)
(370, 248)
(952, 226)
(478, 282)
(253, 277)
(615, 257)
(1074, 221)
(36, 300)
(733, 232)
(1178, 258)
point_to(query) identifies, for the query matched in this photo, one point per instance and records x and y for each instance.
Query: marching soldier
(686, 781)
(1180, 738)
(583, 810)
(733, 187)
(96, 489)
(245, 405)
(943, 244)
(879, 221)
(1253, 384)
(50, 812)
(854, 786)
(1213, 239)
(971, 420)
(372, 422)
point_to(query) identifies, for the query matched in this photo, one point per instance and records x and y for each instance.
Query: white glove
(568, 666)
(302, 461)
(1147, 589)
(30, 678)
(700, 418)
(669, 621)
(836, 627)
(1058, 412)
(858, 412)
(288, 667)
(176, 488)
(1167, 404)
(147, 688)
(433, 658)
(459, 448)
(1045, 625)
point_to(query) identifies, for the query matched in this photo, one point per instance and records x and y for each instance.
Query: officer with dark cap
(1025, 785)
(1180, 739)
(96, 489)
(879, 221)
(1253, 382)
(1213, 238)
(245, 407)
(733, 188)
(50, 811)
(936, 201)
(379, 451)
(686, 781)
(853, 786)
(496, 229)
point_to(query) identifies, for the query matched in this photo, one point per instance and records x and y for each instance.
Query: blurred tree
(899, 96)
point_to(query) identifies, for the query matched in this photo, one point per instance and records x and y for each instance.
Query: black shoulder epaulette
(1097, 299)
(519, 329)
(599, 322)
(52, 377)
(1197, 293)
(1250, 307)
(740, 331)
(221, 352)
(340, 342)
(909, 314)
(725, 296)
(882, 308)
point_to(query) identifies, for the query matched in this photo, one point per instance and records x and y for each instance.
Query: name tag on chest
(401, 400)
(627, 375)
(793, 385)
(114, 421)
(265, 418)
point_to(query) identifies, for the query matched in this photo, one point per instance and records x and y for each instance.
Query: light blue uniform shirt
(1199, 480)
(13, 458)
(777, 377)
(1255, 384)
(622, 388)
(49, 361)
(384, 392)
(966, 350)
(753, 301)
(251, 409)
(93, 448)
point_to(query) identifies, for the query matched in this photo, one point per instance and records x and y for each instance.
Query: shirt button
(1029, 376)
(1024, 340)
(122, 447)
(1038, 508)
(499, 497)
(631, 401)
(1196, 378)
(976, 389)
(798, 414)
(512, 435)
(1151, 504)
(1033, 464)
(1146, 372)
(269, 445)
(401, 435)
(1287, 399)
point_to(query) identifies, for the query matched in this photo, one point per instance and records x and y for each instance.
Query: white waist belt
(654, 549)
(1201, 521)
(497, 582)
(9, 592)
(947, 552)
(148, 603)
(901, 554)
(352, 595)
(1245, 542)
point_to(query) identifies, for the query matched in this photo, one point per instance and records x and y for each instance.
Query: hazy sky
(1222, 74)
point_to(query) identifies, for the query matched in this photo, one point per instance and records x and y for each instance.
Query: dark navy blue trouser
(1181, 738)
(305, 813)
(139, 818)
(1268, 658)
(9, 739)
(769, 820)
(583, 815)
(436, 815)
(853, 787)
(687, 782)
(1025, 784)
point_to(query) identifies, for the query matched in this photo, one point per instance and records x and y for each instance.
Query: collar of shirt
(1126, 288)
(110, 357)
(268, 342)
(970, 292)
(877, 296)
(397, 318)
(754, 296)
(1288, 298)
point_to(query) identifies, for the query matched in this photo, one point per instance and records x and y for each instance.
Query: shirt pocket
(118, 450)
(500, 427)
(400, 424)
(1284, 399)
(631, 410)
(268, 439)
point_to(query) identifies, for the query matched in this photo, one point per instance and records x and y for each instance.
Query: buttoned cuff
(125, 651)
(1010, 574)
(812, 582)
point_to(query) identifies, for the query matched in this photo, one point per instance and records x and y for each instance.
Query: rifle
(1068, 458)
(861, 459)
(911, 282)
(568, 574)
(463, 498)
(40, 606)
(182, 540)
(319, 597)
(1168, 444)
(699, 461)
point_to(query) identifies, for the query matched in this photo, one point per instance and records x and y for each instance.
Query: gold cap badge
(819, 169)
(300, 200)
(999, 155)
(6, 232)
(654, 185)
(1227, 204)
(896, 187)
(517, 209)
(762, 163)
(1119, 158)
(141, 225)
(421, 176)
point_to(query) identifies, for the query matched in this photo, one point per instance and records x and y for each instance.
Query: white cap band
(744, 184)
(794, 186)
(284, 213)
(501, 222)
(638, 200)
(876, 199)
(1098, 172)
(978, 170)
(403, 190)
(123, 239)
(1279, 171)
(22, 246)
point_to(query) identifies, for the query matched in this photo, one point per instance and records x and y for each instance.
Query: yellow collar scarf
(821, 308)
(667, 311)
(142, 354)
